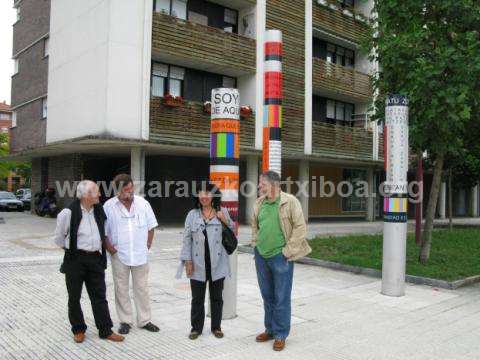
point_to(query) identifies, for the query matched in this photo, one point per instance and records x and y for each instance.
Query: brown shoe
(279, 345)
(79, 337)
(115, 337)
(218, 333)
(264, 337)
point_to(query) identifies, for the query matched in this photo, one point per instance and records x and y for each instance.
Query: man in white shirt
(130, 229)
(81, 231)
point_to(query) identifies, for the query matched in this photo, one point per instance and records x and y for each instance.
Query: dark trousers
(198, 303)
(88, 269)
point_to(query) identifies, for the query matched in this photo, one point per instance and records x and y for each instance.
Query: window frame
(16, 66)
(170, 8)
(347, 205)
(166, 83)
(335, 120)
(14, 119)
(332, 51)
(46, 47)
(44, 108)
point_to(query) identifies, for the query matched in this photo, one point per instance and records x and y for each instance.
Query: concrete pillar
(137, 169)
(371, 199)
(474, 201)
(250, 189)
(303, 177)
(442, 200)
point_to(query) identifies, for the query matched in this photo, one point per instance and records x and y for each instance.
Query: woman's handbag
(229, 240)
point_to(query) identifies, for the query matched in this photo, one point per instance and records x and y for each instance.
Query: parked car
(25, 196)
(8, 201)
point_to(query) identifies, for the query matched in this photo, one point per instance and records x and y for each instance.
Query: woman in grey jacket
(205, 259)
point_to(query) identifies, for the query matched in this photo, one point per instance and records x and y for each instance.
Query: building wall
(34, 23)
(30, 84)
(99, 69)
(289, 17)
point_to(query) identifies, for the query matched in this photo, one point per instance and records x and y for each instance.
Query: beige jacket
(292, 223)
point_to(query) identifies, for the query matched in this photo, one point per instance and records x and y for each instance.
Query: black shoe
(124, 329)
(151, 327)
(194, 335)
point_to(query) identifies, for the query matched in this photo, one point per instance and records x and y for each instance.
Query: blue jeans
(275, 276)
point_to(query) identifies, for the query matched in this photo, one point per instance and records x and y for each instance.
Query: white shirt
(88, 237)
(128, 230)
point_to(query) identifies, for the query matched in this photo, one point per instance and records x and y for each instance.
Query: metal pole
(224, 163)
(419, 205)
(396, 200)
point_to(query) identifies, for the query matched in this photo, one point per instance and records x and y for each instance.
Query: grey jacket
(194, 246)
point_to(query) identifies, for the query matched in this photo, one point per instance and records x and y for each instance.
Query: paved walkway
(336, 315)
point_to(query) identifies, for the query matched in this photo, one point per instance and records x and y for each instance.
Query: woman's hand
(189, 268)
(221, 216)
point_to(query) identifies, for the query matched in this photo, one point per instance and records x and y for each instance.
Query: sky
(7, 18)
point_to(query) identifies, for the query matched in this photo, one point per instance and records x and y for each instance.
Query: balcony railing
(338, 22)
(342, 142)
(177, 39)
(189, 125)
(338, 79)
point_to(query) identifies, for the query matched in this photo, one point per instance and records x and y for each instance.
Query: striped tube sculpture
(396, 196)
(272, 113)
(224, 163)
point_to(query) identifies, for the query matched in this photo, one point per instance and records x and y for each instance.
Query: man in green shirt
(278, 237)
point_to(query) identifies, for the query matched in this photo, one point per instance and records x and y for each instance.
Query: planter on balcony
(173, 101)
(245, 111)
(207, 107)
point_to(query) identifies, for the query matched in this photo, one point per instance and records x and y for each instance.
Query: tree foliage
(429, 50)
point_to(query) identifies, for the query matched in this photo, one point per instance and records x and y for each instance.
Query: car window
(7, 196)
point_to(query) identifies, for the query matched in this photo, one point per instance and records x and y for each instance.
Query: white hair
(84, 187)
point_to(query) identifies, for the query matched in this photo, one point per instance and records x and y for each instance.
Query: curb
(418, 280)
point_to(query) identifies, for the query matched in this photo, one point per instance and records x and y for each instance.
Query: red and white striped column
(272, 113)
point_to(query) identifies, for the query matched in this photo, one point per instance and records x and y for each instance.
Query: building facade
(109, 69)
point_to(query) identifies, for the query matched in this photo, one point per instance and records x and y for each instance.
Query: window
(354, 203)
(46, 43)
(4, 116)
(167, 80)
(333, 53)
(18, 12)
(339, 112)
(162, 6)
(14, 119)
(177, 8)
(212, 14)
(175, 81)
(44, 108)
(230, 19)
(229, 82)
(159, 79)
(15, 66)
(347, 3)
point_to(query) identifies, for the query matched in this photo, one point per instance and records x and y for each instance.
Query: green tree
(429, 50)
(22, 169)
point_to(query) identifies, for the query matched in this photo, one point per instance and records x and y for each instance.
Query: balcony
(189, 125)
(188, 44)
(332, 79)
(343, 142)
(339, 22)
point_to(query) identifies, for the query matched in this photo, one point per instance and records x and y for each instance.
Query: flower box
(173, 101)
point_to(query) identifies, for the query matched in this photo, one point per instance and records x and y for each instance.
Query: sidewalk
(336, 315)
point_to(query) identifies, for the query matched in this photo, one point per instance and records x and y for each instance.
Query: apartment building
(108, 70)
(5, 118)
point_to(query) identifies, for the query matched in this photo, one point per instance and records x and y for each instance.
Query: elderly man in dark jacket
(81, 232)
